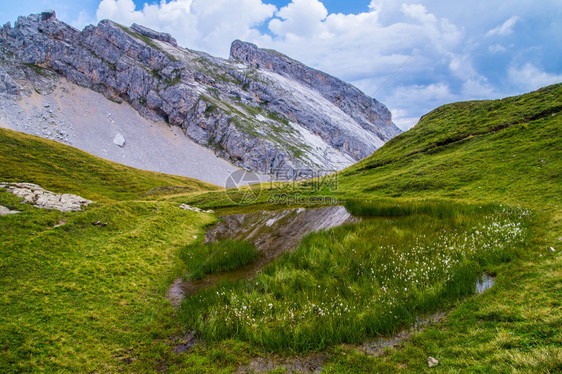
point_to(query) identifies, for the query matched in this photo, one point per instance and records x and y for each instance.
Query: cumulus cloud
(196, 24)
(505, 28)
(529, 77)
(418, 12)
(300, 18)
(413, 56)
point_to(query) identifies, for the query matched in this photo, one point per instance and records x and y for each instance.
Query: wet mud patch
(312, 363)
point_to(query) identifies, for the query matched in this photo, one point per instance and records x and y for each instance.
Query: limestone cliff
(259, 109)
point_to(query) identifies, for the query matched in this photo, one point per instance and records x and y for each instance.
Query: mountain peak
(260, 110)
(345, 96)
(48, 15)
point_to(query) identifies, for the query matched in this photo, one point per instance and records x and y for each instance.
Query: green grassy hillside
(52, 165)
(79, 297)
(508, 150)
(502, 151)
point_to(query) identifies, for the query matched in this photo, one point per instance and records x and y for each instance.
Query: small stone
(189, 207)
(431, 362)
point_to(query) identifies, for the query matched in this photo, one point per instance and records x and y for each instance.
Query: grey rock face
(366, 111)
(260, 109)
(154, 34)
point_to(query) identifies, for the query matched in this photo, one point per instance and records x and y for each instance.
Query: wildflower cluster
(359, 279)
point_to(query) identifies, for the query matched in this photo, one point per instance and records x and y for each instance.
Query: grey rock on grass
(41, 198)
(7, 211)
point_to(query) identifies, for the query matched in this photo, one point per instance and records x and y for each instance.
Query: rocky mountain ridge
(260, 110)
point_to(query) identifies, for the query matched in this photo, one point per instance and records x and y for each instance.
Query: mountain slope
(278, 115)
(58, 167)
(110, 130)
(509, 150)
(84, 298)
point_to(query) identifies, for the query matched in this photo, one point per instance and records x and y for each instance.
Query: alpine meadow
(437, 249)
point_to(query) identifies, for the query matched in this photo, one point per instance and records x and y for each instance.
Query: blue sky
(413, 55)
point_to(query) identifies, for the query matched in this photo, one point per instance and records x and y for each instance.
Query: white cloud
(418, 12)
(529, 77)
(505, 28)
(302, 18)
(82, 20)
(196, 24)
(420, 99)
(477, 89)
(497, 48)
(402, 119)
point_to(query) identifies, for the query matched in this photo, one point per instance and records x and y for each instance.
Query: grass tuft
(209, 258)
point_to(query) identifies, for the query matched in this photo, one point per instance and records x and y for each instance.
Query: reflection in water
(484, 283)
(272, 232)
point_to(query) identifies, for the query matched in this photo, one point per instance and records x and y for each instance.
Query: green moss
(175, 80)
(39, 70)
(209, 110)
(156, 74)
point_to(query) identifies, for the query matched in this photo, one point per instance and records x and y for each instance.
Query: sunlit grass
(208, 258)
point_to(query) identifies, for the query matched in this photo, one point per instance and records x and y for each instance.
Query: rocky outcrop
(41, 198)
(195, 209)
(165, 37)
(260, 110)
(366, 111)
